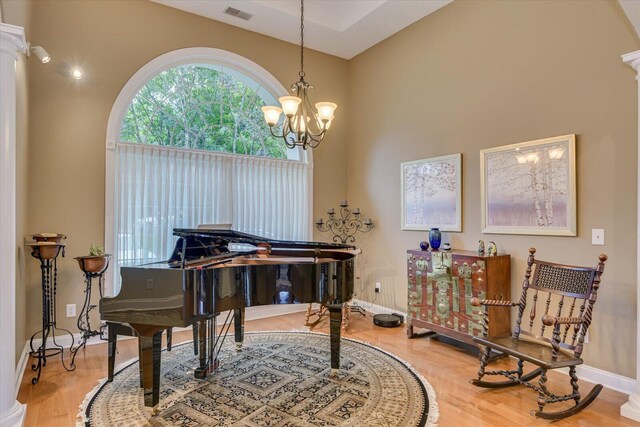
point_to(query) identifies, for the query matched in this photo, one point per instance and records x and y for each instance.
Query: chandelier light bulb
(325, 110)
(76, 73)
(290, 104)
(271, 114)
(302, 128)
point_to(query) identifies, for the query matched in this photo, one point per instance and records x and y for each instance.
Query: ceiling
(338, 27)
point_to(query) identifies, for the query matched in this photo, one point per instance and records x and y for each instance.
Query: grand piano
(216, 271)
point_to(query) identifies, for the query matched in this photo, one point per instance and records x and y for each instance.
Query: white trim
(22, 366)
(201, 55)
(378, 309)
(610, 380)
(631, 409)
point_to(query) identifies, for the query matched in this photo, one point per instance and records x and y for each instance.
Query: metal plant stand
(47, 253)
(93, 267)
(344, 229)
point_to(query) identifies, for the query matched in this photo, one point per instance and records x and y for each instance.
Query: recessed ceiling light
(76, 73)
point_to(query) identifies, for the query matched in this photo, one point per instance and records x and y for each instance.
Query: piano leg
(169, 338)
(140, 365)
(238, 326)
(150, 355)
(112, 340)
(335, 325)
(195, 338)
(201, 329)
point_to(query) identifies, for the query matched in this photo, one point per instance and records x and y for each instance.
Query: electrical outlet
(378, 286)
(71, 310)
(597, 236)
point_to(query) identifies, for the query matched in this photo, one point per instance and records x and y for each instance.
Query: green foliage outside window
(200, 108)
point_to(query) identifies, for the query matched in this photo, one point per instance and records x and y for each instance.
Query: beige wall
(111, 40)
(476, 75)
(19, 13)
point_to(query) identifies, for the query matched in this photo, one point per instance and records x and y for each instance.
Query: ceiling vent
(238, 13)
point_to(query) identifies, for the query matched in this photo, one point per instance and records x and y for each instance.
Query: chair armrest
(476, 302)
(553, 321)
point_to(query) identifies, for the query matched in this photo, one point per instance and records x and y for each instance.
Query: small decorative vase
(435, 237)
(424, 245)
(446, 247)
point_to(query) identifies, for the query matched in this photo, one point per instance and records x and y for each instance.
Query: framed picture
(530, 188)
(432, 193)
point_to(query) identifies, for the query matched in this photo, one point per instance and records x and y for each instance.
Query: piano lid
(226, 236)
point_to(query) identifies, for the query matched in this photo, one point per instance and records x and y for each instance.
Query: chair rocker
(559, 288)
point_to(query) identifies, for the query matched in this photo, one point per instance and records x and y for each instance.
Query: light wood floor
(55, 399)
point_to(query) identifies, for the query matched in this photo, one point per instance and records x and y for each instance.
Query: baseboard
(22, 365)
(610, 380)
(377, 309)
(261, 312)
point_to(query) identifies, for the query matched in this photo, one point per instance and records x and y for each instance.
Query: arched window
(204, 107)
(187, 145)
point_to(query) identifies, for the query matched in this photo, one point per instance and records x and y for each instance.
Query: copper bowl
(94, 264)
(48, 237)
(45, 250)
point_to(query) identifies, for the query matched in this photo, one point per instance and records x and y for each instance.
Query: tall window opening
(192, 148)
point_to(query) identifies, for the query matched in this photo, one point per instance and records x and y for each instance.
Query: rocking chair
(559, 286)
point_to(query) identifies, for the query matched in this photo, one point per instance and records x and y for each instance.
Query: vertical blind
(159, 188)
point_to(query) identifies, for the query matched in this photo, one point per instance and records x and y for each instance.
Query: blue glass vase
(435, 238)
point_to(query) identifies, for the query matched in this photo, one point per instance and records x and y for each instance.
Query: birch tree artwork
(529, 188)
(431, 194)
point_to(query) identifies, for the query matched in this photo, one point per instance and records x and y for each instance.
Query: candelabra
(345, 226)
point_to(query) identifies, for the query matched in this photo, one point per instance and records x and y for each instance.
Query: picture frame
(530, 187)
(431, 194)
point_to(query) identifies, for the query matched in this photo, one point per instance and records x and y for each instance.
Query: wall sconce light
(40, 53)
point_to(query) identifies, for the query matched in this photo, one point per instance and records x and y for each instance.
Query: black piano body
(213, 271)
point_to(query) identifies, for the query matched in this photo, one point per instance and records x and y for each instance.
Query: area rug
(278, 379)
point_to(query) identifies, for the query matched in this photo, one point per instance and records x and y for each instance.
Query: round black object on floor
(387, 320)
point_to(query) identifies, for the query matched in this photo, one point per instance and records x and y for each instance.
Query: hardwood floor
(55, 399)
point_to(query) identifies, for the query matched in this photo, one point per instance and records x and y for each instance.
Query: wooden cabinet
(441, 285)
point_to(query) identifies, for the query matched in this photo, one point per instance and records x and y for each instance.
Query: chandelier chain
(301, 74)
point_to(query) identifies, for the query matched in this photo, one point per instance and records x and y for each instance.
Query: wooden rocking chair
(573, 289)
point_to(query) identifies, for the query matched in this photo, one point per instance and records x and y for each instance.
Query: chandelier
(303, 126)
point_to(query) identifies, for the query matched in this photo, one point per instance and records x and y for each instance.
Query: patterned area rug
(278, 379)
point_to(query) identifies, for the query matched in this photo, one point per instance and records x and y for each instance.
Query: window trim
(193, 55)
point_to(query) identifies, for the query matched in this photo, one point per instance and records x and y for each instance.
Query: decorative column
(12, 41)
(631, 409)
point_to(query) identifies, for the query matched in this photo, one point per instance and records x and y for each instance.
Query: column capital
(12, 39)
(632, 59)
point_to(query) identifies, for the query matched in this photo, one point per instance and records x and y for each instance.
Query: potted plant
(96, 262)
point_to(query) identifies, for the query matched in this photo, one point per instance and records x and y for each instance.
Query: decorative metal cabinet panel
(441, 285)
